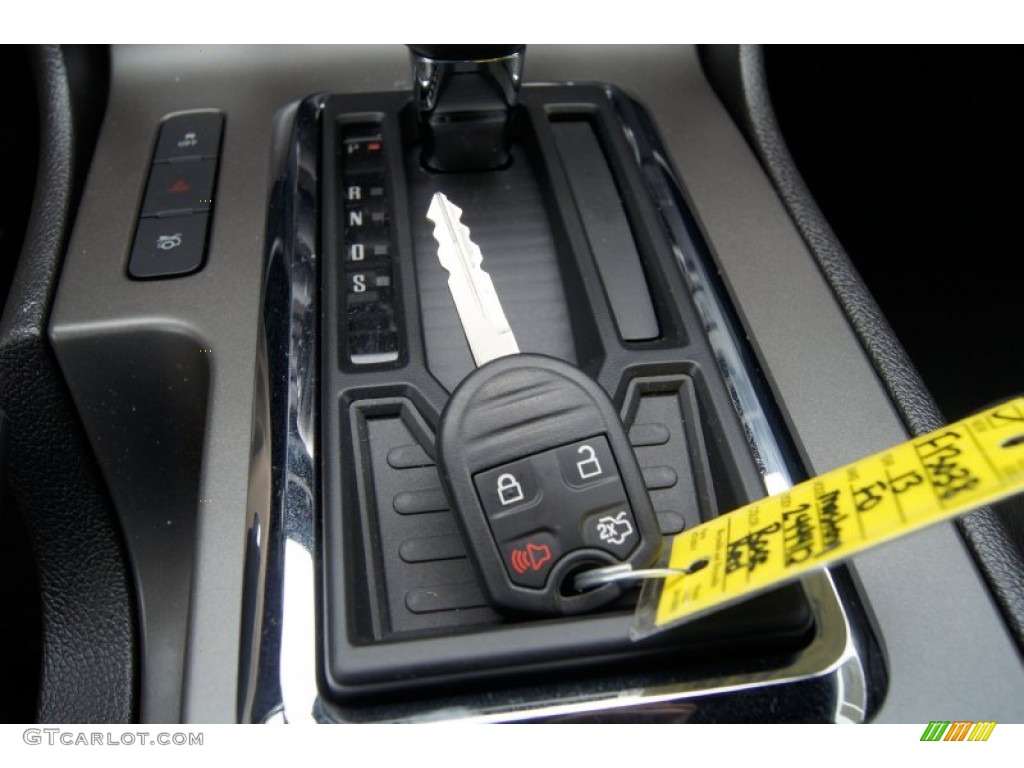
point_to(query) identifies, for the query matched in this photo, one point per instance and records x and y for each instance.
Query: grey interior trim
(144, 409)
(913, 645)
(217, 308)
(1000, 560)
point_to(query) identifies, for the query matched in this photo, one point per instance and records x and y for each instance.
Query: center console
(598, 261)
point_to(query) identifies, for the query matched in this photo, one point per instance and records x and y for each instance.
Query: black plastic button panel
(165, 247)
(369, 330)
(170, 238)
(543, 506)
(180, 188)
(189, 136)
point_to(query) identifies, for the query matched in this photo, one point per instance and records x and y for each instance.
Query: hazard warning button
(177, 188)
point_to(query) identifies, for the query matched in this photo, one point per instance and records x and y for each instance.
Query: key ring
(598, 577)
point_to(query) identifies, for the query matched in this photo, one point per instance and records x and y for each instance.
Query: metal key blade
(483, 320)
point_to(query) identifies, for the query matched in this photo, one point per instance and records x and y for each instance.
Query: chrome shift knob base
(465, 95)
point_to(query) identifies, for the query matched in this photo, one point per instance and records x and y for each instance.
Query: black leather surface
(88, 668)
(738, 74)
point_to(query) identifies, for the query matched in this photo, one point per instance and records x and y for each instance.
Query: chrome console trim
(287, 673)
(286, 688)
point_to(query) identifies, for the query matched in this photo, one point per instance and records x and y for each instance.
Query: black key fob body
(544, 483)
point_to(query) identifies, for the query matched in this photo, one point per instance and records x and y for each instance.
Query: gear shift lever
(465, 95)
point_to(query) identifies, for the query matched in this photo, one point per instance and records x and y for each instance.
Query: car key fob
(544, 484)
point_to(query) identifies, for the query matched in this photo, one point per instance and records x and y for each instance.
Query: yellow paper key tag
(830, 517)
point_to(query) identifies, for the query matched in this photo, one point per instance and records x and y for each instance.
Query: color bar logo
(959, 730)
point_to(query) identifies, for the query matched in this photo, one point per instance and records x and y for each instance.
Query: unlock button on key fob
(588, 462)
